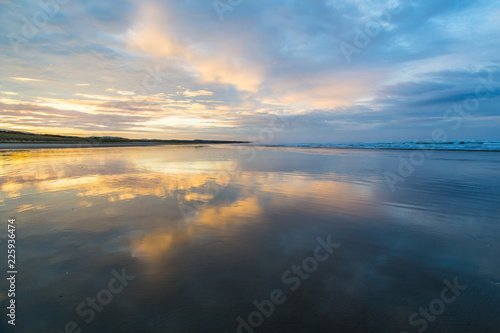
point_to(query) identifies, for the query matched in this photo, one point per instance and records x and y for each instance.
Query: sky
(272, 71)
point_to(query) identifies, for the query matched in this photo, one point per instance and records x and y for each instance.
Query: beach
(48, 145)
(226, 238)
(97, 144)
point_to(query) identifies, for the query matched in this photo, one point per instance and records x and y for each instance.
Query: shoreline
(428, 149)
(47, 145)
(77, 145)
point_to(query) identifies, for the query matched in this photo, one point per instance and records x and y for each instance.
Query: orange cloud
(151, 35)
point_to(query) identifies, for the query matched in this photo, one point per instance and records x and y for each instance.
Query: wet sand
(202, 239)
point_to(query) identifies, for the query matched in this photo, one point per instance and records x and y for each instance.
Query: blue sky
(335, 71)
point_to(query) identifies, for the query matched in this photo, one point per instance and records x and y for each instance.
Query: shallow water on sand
(186, 239)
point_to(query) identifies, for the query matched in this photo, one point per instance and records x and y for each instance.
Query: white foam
(451, 145)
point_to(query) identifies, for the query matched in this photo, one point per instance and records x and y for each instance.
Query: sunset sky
(336, 70)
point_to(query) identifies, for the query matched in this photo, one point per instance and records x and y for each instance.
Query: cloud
(121, 92)
(154, 66)
(189, 93)
(213, 60)
(26, 79)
